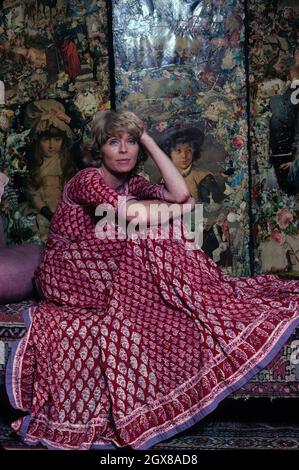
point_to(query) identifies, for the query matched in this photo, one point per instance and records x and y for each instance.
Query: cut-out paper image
(284, 132)
(184, 147)
(41, 152)
(49, 161)
(274, 65)
(201, 166)
(52, 49)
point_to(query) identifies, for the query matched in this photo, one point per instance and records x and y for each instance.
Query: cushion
(17, 266)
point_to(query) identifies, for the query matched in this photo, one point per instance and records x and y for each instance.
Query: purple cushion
(17, 266)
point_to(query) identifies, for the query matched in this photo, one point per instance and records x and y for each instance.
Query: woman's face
(182, 156)
(120, 153)
(51, 146)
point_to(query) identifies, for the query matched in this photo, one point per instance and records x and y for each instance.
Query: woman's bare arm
(155, 211)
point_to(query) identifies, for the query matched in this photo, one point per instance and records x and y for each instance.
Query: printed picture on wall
(201, 162)
(53, 48)
(40, 157)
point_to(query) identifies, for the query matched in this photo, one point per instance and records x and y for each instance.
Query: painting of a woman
(49, 161)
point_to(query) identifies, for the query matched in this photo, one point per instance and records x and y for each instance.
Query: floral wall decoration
(54, 65)
(179, 64)
(274, 64)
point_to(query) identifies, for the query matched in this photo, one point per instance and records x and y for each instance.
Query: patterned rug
(207, 436)
(11, 328)
(237, 436)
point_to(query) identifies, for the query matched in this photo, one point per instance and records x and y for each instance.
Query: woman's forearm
(155, 211)
(177, 190)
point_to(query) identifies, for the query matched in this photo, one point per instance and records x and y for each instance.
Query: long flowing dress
(137, 338)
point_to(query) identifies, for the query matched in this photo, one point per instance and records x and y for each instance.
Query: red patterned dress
(137, 338)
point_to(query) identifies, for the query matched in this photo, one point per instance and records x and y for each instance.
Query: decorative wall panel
(54, 65)
(274, 65)
(180, 66)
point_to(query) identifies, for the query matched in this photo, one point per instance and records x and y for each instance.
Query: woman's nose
(123, 146)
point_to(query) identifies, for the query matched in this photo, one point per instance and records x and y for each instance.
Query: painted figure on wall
(183, 146)
(71, 58)
(284, 133)
(281, 69)
(291, 167)
(97, 52)
(49, 161)
(274, 66)
(216, 241)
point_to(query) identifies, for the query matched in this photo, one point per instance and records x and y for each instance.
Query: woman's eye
(112, 141)
(132, 141)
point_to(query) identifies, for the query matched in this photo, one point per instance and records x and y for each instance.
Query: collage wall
(182, 66)
(274, 69)
(54, 65)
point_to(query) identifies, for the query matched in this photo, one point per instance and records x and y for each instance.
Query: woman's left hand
(145, 138)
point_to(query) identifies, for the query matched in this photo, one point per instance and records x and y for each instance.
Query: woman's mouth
(124, 161)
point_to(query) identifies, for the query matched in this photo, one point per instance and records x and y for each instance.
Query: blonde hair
(107, 124)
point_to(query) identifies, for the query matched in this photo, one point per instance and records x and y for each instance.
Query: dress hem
(198, 416)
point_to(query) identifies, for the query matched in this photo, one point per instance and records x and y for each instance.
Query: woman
(137, 338)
